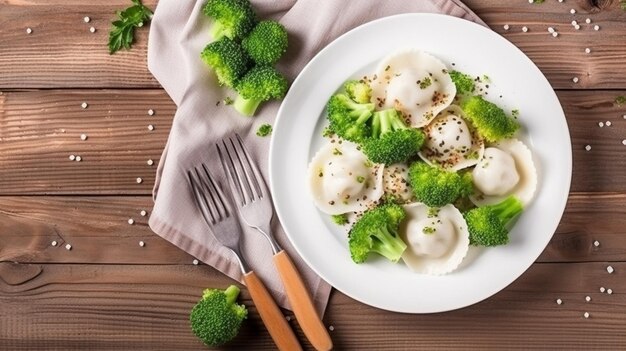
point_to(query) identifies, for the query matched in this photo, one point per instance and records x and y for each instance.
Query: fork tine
(255, 174)
(245, 169)
(239, 171)
(227, 164)
(216, 191)
(200, 198)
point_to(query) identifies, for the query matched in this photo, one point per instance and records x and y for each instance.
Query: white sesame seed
(143, 213)
(587, 50)
(531, 1)
(602, 289)
(550, 30)
(86, 19)
(608, 123)
(331, 328)
(150, 162)
(54, 243)
(587, 298)
(131, 221)
(596, 27)
(588, 147)
(84, 105)
(610, 269)
(596, 243)
(588, 20)
(78, 158)
(555, 34)
(151, 112)
(575, 79)
(609, 291)
(577, 27)
(92, 29)
(600, 124)
(559, 301)
(560, 0)
(142, 244)
(29, 30)
(288, 318)
(586, 315)
(572, 11)
(139, 180)
(83, 137)
(72, 157)
(195, 262)
(624, 116)
(150, 127)
(68, 247)
(624, 142)
(524, 29)
(574, 23)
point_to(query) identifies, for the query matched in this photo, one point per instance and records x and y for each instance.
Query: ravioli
(341, 179)
(396, 182)
(415, 83)
(437, 238)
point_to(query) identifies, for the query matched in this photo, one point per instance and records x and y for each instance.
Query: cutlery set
(253, 204)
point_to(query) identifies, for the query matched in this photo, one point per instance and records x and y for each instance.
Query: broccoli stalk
(488, 225)
(260, 84)
(358, 91)
(348, 119)
(377, 231)
(437, 187)
(232, 18)
(490, 121)
(216, 318)
(266, 43)
(391, 140)
(228, 60)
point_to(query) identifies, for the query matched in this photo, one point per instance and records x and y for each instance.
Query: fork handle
(272, 317)
(301, 303)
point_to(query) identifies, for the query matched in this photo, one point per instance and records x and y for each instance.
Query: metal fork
(255, 206)
(218, 214)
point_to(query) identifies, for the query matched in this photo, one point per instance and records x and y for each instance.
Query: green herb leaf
(264, 130)
(122, 34)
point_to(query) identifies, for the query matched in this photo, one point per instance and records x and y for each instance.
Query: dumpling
(396, 183)
(506, 168)
(342, 179)
(415, 83)
(450, 141)
(437, 238)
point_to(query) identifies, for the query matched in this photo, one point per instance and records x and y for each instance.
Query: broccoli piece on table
(264, 130)
(490, 120)
(348, 119)
(377, 231)
(488, 225)
(232, 18)
(266, 43)
(216, 318)
(228, 60)
(464, 82)
(391, 140)
(437, 187)
(260, 84)
(358, 91)
(340, 219)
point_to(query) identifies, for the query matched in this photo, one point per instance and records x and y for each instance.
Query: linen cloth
(179, 31)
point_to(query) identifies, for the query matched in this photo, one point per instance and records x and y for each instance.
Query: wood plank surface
(61, 52)
(40, 129)
(139, 307)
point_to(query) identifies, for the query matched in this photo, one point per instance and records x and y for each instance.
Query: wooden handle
(271, 315)
(302, 304)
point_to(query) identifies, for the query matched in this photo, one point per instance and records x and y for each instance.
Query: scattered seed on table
(195, 262)
(288, 318)
(29, 30)
(78, 158)
(588, 20)
(574, 23)
(131, 221)
(560, 0)
(139, 180)
(86, 19)
(92, 29)
(559, 301)
(609, 291)
(610, 269)
(555, 34)
(586, 315)
(577, 27)
(550, 30)
(602, 289)
(331, 328)
(624, 142)
(151, 112)
(524, 29)
(575, 79)
(150, 162)
(143, 213)
(150, 127)
(142, 244)
(84, 105)
(587, 50)
(68, 247)
(600, 124)
(506, 27)
(596, 243)
(531, 1)
(588, 147)
(572, 11)
(72, 157)
(608, 123)
(596, 27)
(587, 298)
(54, 243)
(624, 116)
(83, 137)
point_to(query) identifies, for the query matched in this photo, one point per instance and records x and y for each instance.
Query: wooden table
(108, 293)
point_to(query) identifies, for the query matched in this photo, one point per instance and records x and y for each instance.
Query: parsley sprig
(122, 34)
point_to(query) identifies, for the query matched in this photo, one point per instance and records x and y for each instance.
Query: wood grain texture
(34, 149)
(121, 307)
(61, 52)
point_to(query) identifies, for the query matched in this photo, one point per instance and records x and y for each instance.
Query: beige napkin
(179, 31)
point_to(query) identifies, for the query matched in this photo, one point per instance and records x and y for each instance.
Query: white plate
(297, 135)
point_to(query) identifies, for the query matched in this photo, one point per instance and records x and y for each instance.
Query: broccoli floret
(489, 119)
(358, 91)
(260, 84)
(216, 318)
(228, 60)
(340, 219)
(348, 119)
(391, 141)
(264, 130)
(437, 187)
(464, 82)
(232, 18)
(488, 225)
(377, 231)
(266, 43)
